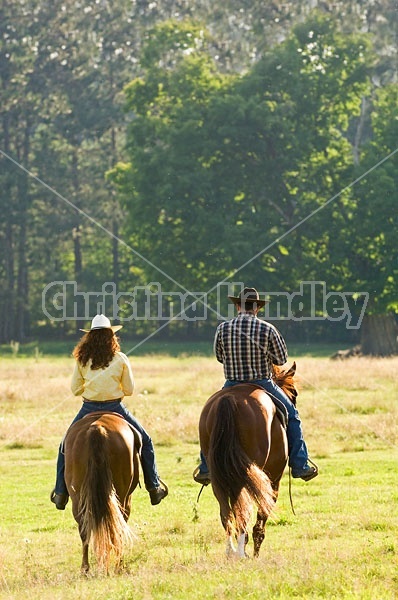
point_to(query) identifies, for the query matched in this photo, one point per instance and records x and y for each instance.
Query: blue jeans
(151, 477)
(298, 454)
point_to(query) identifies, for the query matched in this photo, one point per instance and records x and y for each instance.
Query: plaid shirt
(248, 347)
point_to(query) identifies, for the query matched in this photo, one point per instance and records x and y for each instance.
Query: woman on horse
(103, 376)
(248, 347)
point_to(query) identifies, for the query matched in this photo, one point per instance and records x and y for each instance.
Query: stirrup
(314, 465)
(202, 478)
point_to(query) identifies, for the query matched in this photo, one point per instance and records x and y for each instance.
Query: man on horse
(248, 347)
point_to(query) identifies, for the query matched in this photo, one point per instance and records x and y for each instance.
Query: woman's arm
(77, 383)
(127, 381)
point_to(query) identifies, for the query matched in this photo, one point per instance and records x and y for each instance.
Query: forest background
(182, 145)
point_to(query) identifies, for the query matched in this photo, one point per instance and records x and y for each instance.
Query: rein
(200, 493)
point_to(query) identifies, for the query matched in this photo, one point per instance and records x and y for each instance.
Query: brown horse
(101, 473)
(245, 446)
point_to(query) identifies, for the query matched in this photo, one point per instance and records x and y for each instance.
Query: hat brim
(237, 300)
(114, 328)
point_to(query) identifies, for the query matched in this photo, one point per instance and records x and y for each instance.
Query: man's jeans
(151, 477)
(298, 454)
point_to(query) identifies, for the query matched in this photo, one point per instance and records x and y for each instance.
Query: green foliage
(230, 162)
(374, 217)
(168, 42)
(238, 124)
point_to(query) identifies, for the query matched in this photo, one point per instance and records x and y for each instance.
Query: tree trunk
(76, 231)
(116, 211)
(115, 253)
(359, 131)
(77, 252)
(22, 303)
(7, 332)
(7, 293)
(379, 335)
(22, 315)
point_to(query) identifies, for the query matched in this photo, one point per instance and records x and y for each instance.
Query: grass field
(342, 543)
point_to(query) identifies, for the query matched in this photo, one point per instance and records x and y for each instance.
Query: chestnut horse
(246, 450)
(101, 473)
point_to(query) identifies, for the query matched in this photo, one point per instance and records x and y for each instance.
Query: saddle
(281, 410)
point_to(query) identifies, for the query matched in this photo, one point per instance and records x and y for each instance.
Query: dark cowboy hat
(248, 297)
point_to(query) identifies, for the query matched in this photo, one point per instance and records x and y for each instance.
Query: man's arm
(277, 347)
(217, 346)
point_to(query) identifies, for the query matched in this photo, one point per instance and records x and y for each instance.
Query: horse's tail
(237, 481)
(101, 517)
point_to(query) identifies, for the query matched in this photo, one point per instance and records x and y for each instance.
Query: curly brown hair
(99, 345)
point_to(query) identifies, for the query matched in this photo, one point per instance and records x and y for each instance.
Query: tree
(233, 162)
(18, 119)
(61, 72)
(375, 222)
(240, 135)
(166, 187)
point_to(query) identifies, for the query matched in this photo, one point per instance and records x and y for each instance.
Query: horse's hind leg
(238, 551)
(240, 539)
(259, 527)
(85, 564)
(226, 520)
(258, 533)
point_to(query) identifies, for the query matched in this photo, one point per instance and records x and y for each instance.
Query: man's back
(248, 347)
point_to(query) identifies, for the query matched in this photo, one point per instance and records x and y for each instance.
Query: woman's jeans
(298, 454)
(151, 477)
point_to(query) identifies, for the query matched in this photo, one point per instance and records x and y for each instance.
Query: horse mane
(285, 380)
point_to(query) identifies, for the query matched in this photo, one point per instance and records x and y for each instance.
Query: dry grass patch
(341, 543)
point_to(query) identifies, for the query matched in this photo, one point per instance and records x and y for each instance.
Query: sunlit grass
(342, 542)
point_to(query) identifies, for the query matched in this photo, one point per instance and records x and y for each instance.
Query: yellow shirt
(111, 383)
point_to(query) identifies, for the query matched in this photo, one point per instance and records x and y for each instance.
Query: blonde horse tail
(101, 517)
(237, 481)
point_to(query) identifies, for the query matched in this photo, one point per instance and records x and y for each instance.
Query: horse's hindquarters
(101, 472)
(246, 450)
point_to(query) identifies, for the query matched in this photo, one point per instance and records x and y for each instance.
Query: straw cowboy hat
(248, 297)
(102, 322)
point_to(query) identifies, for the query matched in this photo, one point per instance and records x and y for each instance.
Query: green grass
(137, 347)
(341, 544)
